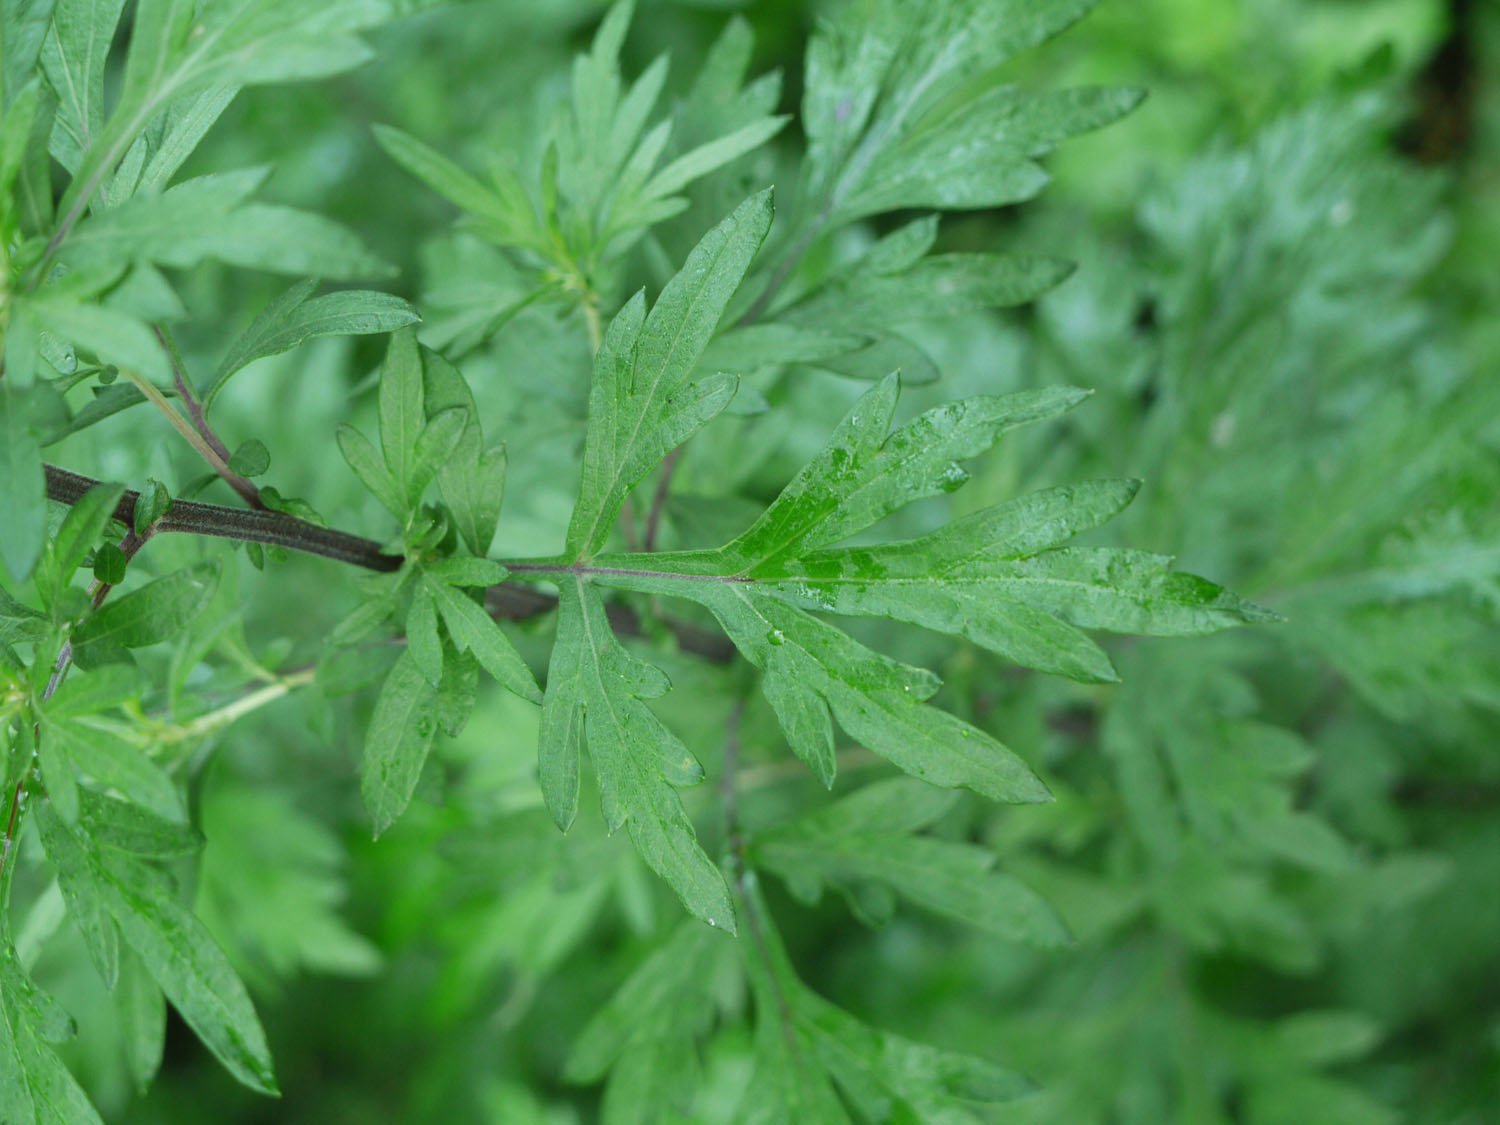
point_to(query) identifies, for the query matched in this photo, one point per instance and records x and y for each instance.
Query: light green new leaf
(101, 756)
(174, 947)
(23, 488)
(177, 51)
(143, 1020)
(473, 630)
(115, 337)
(594, 700)
(397, 742)
(641, 404)
(73, 60)
(153, 613)
(35, 1087)
(174, 135)
(211, 217)
(297, 316)
(23, 27)
(503, 216)
(365, 460)
(867, 838)
(422, 639)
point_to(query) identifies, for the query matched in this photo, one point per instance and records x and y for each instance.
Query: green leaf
(802, 1041)
(81, 529)
(473, 630)
(436, 444)
(983, 153)
(211, 217)
(422, 635)
(143, 1019)
(114, 337)
(997, 577)
(473, 478)
(73, 60)
(174, 947)
(151, 505)
(499, 215)
(23, 27)
(641, 405)
(401, 415)
(153, 613)
(863, 475)
(297, 316)
(467, 572)
(101, 756)
(666, 997)
(35, 1086)
(23, 488)
(595, 694)
(947, 285)
(174, 55)
(362, 457)
(250, 459)
(861, 839)
(397, 741)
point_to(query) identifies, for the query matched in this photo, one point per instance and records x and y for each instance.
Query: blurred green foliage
(1277, 849)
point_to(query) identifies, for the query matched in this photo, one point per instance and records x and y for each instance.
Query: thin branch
(275, 529)
(219, 464)
(508, 601)
(199, 417)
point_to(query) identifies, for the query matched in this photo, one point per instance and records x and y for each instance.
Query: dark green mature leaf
(397, 741)
(594, 700)
(297, 316)
(473, 630)
(642, 405)
(995, 577)
(174, 947)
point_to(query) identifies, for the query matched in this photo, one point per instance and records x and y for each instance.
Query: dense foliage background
(1277, 849)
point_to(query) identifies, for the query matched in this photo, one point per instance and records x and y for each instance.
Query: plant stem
(184, 387)
(219, 464)
(508, 601)
(275, 529)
